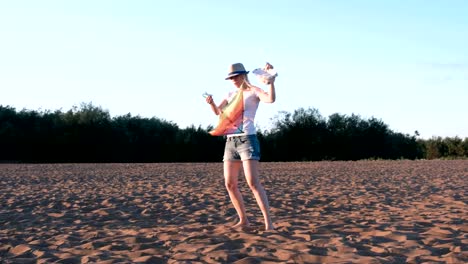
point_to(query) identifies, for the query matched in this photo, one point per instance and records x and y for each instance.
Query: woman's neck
(244, 86)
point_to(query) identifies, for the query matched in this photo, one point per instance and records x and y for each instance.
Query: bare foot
(269, 227)
(241, 224)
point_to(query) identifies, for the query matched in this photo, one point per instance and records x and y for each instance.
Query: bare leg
(252, 177)
(231, 178)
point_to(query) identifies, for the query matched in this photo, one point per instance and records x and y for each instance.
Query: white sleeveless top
(251, 101)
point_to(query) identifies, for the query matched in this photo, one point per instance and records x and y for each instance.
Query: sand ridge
(324, 212)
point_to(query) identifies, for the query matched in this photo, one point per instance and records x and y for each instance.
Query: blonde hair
(246, 82)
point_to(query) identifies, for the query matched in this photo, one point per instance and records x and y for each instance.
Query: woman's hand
(209, 99)
(267, 67)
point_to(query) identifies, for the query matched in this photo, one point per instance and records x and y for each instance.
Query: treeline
(89, 134)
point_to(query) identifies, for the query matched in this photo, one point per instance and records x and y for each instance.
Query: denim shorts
(242, 148)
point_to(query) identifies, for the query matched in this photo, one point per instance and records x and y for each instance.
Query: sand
(324, 212)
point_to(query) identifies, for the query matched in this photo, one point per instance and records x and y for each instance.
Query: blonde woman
(242, 149)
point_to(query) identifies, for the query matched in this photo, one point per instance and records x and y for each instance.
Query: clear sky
(404, 62)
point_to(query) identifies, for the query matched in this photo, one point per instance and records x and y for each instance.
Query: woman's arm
(270, 95)
(216, 109)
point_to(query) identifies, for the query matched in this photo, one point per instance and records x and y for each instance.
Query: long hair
(246, 83)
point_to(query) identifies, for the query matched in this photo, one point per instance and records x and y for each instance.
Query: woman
(242, 149)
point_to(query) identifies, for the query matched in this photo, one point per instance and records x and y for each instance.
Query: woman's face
(237, 80)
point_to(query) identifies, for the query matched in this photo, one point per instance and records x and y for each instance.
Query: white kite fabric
(265, 76)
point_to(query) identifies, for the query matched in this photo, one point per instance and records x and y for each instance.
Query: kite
(231, 117)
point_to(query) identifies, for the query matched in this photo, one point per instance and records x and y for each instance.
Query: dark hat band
(234, 73)
(238, 72)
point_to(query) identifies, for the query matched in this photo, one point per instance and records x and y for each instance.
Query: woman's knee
(231, 185)
(255, 185)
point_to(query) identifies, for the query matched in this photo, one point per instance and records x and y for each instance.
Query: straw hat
(236, 69)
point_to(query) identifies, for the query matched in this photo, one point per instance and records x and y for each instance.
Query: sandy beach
(324, 212)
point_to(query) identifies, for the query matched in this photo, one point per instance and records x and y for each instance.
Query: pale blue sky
(404, 62)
